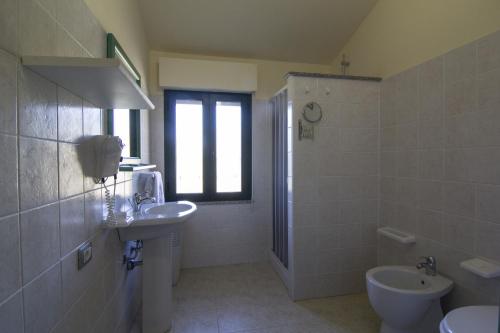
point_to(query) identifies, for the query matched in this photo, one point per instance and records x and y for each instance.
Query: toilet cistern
(429, 264)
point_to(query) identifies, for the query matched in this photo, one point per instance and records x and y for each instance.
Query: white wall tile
(8, 180)
(359, 139)
(92, 122)
(407, 163)
(488, 53)
(488, 208)
(460, 97)
(431, 164)
(37, 30)
(430, 195)
(69, 116)
(460, 64)
(70, 170)
(358, 115)
(9, 15)
(42, 302)
(93, 211)
(458, 233)
(388, 139)
(67, 46)
(487, 90)
(30, 27)
(455, 215)
(10, 263)
(73, 228)
(11, 314)
(430, 224)
(407, 136)
(8, 89)
(405, 99)
(40, 240)
(486, 241)
(431, 92)
(37, 172)
(37, 106)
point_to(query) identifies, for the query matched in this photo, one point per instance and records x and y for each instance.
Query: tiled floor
(250, 298)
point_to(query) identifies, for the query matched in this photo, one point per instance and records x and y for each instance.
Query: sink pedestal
(154, 225)
(157, 285)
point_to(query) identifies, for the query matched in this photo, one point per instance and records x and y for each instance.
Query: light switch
(84, 255)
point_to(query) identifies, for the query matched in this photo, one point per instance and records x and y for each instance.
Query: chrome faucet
(429, 264)
(140, 198)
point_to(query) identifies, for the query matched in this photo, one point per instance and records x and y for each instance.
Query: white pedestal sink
(153, 224)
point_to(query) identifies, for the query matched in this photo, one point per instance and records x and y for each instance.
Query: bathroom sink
(154, 224)
(171, 210)
(156, 220)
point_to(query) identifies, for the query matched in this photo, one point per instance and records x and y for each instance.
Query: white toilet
(471, 319)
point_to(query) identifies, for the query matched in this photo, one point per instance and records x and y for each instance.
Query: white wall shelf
(106, 83)
(481, 267)
(397, 235)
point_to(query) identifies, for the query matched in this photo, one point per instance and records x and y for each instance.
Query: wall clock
(312, 112)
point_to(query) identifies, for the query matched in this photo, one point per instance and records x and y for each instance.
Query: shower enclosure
(325, 183)
(280, 172)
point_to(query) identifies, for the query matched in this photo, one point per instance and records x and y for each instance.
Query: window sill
(228, 202)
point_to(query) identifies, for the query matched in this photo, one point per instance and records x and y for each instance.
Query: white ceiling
(311, 31)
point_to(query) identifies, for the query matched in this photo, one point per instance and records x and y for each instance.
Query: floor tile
(250, 298)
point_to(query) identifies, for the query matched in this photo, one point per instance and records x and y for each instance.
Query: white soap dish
(397, 235)
(481, 267)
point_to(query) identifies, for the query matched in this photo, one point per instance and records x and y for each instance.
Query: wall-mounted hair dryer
(107, 156)
(103, 157)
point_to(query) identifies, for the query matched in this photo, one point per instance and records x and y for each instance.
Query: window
(125, 123)
(208, 149)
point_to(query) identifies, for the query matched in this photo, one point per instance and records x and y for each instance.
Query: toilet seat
(471, 319)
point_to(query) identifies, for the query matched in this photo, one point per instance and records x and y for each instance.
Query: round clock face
(312, 112)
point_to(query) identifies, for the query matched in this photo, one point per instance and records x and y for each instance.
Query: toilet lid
(469, 319)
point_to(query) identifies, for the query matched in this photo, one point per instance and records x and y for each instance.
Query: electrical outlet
(84, 255)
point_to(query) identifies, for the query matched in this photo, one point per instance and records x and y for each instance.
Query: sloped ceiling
(309, 31)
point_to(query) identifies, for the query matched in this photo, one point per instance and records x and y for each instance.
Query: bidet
(407, 300)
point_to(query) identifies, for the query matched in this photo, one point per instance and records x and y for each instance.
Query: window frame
(208, 100)
(115, 50)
